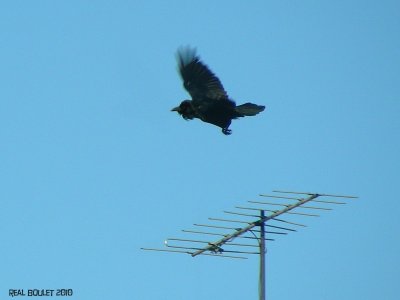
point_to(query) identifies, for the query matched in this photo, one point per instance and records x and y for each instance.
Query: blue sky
(93, 165)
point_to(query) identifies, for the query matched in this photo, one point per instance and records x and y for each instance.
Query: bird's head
(185, 109)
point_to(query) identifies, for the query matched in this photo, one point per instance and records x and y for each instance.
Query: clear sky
(94, 166)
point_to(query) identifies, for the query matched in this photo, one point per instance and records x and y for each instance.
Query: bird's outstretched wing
(198, 79)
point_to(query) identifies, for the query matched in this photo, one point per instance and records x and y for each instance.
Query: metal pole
(262, 257)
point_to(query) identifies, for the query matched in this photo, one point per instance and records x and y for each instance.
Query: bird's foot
(226, 131)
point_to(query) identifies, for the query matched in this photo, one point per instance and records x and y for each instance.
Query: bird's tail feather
(249, 109)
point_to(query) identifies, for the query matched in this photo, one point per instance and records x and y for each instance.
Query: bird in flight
(210, 102)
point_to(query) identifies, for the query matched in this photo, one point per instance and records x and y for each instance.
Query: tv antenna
(267, 214)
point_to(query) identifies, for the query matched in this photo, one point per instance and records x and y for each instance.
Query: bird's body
(210, 103)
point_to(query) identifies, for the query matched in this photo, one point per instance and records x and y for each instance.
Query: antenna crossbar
(325, 195)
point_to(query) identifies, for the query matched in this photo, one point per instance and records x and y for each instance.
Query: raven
(210, 102)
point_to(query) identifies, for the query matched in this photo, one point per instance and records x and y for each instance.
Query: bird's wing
(198, 79)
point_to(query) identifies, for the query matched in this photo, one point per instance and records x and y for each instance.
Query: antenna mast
(226, 246)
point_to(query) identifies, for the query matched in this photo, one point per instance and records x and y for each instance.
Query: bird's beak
(175, 109)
